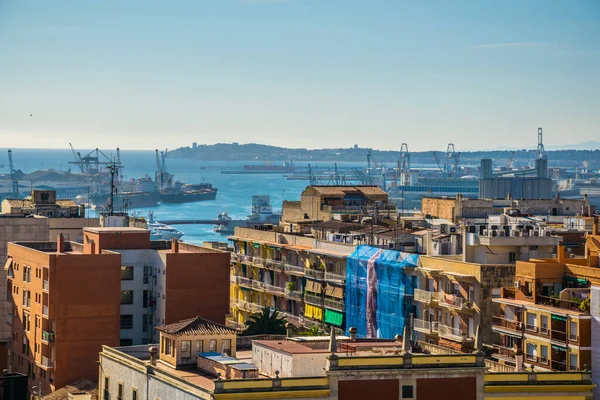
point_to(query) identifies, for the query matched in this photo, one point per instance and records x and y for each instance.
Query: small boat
(159, 231)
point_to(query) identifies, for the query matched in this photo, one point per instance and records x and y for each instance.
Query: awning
(576, 280)
(313, 312)
(559, 318)
(334, 291)
(8, 263)
(559, 348)
(313, 286)
(333, 317)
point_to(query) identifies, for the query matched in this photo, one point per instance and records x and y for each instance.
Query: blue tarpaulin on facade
(376, 290)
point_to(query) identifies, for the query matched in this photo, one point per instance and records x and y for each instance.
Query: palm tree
(265, 323)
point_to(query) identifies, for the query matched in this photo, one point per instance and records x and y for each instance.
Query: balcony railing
(503, 352)
(458, 335)
(244, 258)
(274, 264)
(311, 298)
(531, 328)
(543, 361)
(258, 262)
(573, 337)
(294, 270)
(294, 319)
(245, 305)
(235, 257)
(452, 301)
(293, 294)
(425, 296)
(258, 285)
(424, 326)
(273, 289)
(48, 363)
(234, 325)
(45, 311)
(335, 304)
(554, 302)
(315, 273)
(501, 322)
(246, 282)
(330, 276)
(48, 336)
(45, 285)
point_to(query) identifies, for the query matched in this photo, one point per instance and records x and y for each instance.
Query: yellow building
(302, 277)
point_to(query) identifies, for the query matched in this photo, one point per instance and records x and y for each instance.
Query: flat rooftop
(127, 229)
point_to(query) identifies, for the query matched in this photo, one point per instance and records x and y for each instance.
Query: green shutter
(559, 318)
(333, 317)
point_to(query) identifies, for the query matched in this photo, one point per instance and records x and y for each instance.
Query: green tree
(265, 323)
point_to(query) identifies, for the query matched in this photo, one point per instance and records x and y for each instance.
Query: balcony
(447, 332)
(503, 324)
(245, 305)
(335, 304)
(45, 285)
(425, 296)
(47, 363)
(508, 292)
(45, 311)
(258, 285)
(274, 264)
(534, 359)
(244, 258)
(504, 353)
(313, 299)
(314, 273)
(235, 257)
(48, 337)
(427, 327)
(332, 277)
(234, 325)
(294, 270)
(245, 282)
(294, 319)
(272, 289)
(258, 262)
(453, 301)
(293, 294)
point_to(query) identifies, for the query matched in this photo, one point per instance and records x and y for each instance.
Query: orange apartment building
(545, 319)
(69, 299)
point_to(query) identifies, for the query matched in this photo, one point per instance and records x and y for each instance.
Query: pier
(201, 221)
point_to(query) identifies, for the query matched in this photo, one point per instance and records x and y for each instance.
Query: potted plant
(291, 286)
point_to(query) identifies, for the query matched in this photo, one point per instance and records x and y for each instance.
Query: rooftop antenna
(540, 147)
(114, 170)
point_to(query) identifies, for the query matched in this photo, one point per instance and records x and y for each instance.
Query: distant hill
(258, 153)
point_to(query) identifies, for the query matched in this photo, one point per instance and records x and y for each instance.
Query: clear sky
(298, 73)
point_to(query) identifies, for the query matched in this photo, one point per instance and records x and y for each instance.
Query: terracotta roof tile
(195, 326)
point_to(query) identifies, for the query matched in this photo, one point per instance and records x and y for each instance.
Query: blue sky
(298, 73)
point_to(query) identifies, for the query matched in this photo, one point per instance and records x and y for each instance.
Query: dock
(201, 221)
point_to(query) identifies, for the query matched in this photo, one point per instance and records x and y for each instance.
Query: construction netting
(376, 291)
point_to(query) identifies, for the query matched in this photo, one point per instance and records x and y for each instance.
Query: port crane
(91, 162)
(451, 160)
(77, 157)
(13, 175)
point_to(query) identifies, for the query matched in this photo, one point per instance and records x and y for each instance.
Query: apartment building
(545, 319)
(302, 277)
(69, 298)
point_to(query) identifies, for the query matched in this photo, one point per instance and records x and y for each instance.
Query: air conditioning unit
(485, 232)
(443, 228)
(548, 233)
(536, 233)
(452, 229)
(516, 233)
(518, 284)
(501, 233)
(494, 233)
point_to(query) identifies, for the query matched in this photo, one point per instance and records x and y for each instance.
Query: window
(134, 394)
(528, 289)
(106, 393)
(199, 346)
(544, 324)
(145, 299)
(167, 346)
(26, 321)
(543, 354)
(573, 365)
(126, 321)
(531, 322)
(186, 347)
(212, 345)
(145, 323)
(126, 342)
(531, 352)
(471, 294)
(226, 346)
(126, 273)
(127, 297)
(120, 391)
(573, 330)
(146, 273)
(512, 256)
(407, 392)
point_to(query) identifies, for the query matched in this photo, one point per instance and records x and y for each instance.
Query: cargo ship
(178, 193)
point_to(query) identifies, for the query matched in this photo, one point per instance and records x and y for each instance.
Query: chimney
(595, 226)
(60, 243)
(352, 331)
(153, 350)
(560, 254)
(174, 246)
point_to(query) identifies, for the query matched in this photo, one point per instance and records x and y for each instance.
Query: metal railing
(335, 304)
(274, 264)
(535, 359)
(573, 337)
(424, 326)
(48, 336)
(314, 273)
(556, 302)
(257, 261)
(425, 296)
(531, 328)
(244, 258)
(293, 294)
(48, 363)
(294, 319)
(451, 333)
(45, 285)
(330, 276)
(453, 301)
(258, 285)
(246, 282)
(311, 298)
(273, 289)
(45, 310)
(502, 322)
(294, 270)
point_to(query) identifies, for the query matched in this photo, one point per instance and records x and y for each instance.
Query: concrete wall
(70, 228)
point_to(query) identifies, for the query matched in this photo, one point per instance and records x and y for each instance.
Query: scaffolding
(378, 291)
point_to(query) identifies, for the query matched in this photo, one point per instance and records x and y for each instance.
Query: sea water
(234, 194)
